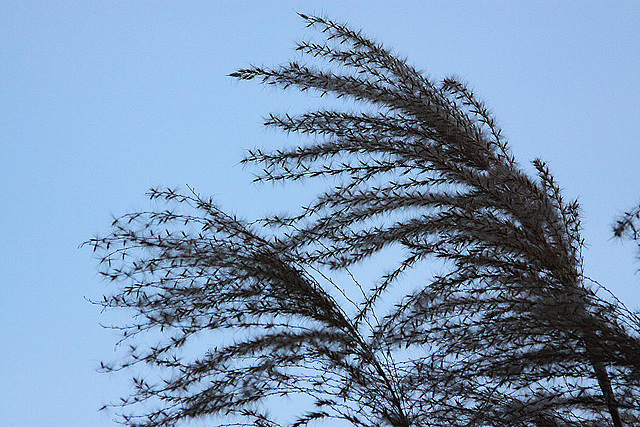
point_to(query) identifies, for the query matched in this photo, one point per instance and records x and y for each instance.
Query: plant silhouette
(511, 334)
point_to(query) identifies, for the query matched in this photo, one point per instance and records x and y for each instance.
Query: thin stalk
(607, 391)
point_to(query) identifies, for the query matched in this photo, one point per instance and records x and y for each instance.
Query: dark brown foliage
(513, 334)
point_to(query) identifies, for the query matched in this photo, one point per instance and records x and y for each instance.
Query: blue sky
(101, 100)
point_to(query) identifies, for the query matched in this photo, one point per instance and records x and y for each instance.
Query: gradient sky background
(101, 100)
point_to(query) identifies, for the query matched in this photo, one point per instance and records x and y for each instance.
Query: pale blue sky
(101, 100)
